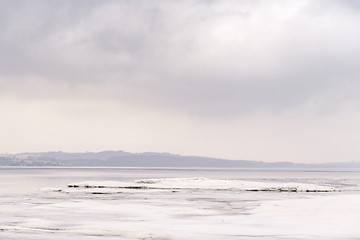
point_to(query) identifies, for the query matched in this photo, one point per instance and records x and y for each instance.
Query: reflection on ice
(207, 184)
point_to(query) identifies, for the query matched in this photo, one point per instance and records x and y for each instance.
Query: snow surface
(205, 183)
(180, 217)
(337, 217)
(182, 208)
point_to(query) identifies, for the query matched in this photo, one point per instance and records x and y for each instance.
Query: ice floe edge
(205, 184)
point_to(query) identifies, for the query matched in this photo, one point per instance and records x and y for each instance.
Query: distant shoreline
(123, 159)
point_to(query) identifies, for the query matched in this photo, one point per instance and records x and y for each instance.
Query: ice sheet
(205, 183)
(182, 208)
(332, 216)
(160, 217)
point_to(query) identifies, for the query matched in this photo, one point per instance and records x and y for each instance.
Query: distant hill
(147, 159)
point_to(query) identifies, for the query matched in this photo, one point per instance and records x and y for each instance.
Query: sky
(271, 80)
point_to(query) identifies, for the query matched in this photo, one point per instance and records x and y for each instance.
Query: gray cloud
(207, 59)
(199, 56)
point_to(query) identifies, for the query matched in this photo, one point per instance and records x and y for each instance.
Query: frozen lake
(35, 203)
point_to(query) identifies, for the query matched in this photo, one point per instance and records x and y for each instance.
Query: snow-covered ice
(208, 184)
(328, 216)
(183, 208)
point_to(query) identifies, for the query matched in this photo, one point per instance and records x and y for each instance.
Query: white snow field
(184, 208)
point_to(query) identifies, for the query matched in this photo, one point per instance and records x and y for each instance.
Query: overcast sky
(245, 79)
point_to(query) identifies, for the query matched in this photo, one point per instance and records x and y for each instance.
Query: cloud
(210, 60)
(199, 56)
